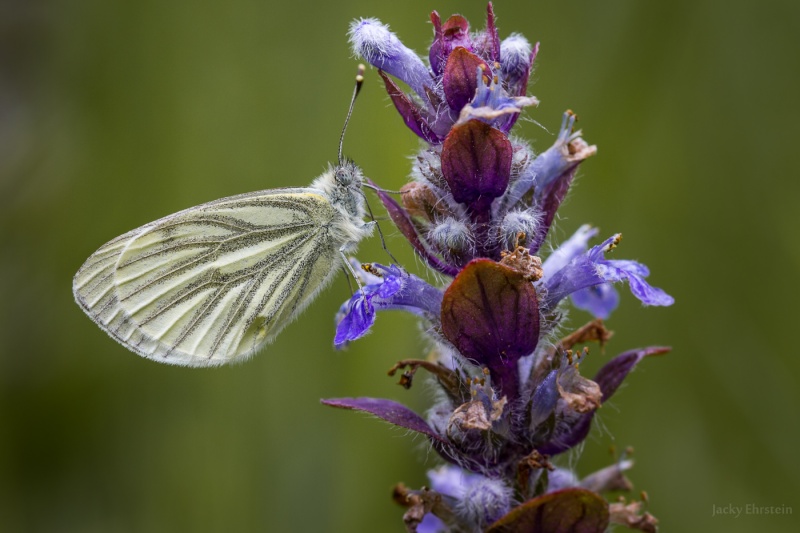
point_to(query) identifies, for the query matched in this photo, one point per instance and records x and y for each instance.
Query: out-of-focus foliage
(113, 114)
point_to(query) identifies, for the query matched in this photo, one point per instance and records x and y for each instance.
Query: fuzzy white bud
(484, 501)
(516, 222)
(515, 55)
(452, 237)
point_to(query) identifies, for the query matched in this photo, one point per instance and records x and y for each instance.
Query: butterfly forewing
(214, 283)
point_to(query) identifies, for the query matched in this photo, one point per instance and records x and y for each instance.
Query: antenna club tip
(356, 90)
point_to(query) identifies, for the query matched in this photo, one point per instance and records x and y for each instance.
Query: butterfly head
(341, 185)
(347, 175)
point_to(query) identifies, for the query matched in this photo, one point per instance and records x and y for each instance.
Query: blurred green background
(113, 114)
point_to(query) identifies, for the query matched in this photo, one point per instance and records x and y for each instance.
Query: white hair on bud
(519, 221)
(375, 43)
(515, 54)
(370, 38)
(484, 502)
(451, 236)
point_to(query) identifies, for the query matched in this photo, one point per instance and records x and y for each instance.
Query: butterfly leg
(347, 277)
(380, 233)
(350, 268)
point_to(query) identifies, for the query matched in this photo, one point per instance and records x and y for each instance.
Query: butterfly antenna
(356, 89)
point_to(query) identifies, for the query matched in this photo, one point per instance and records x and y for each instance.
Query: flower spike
(510, 397)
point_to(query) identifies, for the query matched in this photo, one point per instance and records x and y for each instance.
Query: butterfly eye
(344, 176)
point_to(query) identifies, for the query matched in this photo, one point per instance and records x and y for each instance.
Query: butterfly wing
(214, 283)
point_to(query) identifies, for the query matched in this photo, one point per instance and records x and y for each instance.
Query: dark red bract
(476, 163)
(490, 313)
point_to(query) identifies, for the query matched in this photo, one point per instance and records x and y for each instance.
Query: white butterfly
(215, 283)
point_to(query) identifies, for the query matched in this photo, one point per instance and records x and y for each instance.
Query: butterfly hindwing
(213, 283)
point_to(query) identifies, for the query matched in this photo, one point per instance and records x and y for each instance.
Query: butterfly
(215, 283)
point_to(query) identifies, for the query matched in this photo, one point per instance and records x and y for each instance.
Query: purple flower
(599, 300)
(373, 41)
(548, 179)
(493, 105)
(585, 271)
(572, 427)
(386, 288)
